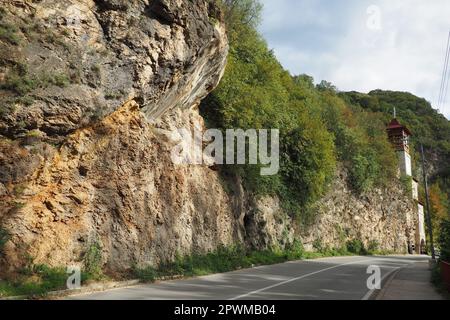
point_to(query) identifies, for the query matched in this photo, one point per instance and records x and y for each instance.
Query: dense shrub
(444, 240)
(9, 33)
(35, 280)
(93, 260)
(373, 247)
(439, 207)
(356, 246)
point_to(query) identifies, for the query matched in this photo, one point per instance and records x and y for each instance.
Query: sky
(363, 45)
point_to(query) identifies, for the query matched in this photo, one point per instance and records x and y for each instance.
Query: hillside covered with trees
(320, 128)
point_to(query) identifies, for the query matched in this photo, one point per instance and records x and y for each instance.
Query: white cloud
(406, 54)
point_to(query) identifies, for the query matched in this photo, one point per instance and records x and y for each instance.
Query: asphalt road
(343, 278)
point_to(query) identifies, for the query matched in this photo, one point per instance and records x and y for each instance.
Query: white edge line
(295, 279)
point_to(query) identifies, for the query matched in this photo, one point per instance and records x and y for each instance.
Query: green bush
(361, 143)
(295, 251)
(25, 100)
(93, 260)
(6, 108)
(20, 81)
(356, 246)
(428, 126)
(8, 33)
(19, 84)
(225, 259)
(147, 274)
(373, 247)
(51, 277)
(57, 79)
(444, 241)
(317, 245)
(35, 280)
(256, 93)
(406, 182)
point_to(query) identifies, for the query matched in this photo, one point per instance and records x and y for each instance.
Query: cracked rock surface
(84, 88)
(65, 64)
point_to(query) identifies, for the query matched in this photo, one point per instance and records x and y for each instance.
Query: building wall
(420, 227)
(415, 190)
(405, 163)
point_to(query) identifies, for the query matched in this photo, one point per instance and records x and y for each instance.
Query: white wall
(405, 163)
(421, 222)
(415, 190)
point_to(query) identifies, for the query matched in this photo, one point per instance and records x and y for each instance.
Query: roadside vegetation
(36, 280)
(444, 245)
(237, 257)
(444, 240)
(8, 32)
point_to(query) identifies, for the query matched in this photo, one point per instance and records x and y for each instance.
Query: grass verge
(233, 258)
(36, 281)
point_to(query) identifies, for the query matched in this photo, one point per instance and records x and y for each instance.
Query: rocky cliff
(90, 91)
(385, 217)
(78, 164)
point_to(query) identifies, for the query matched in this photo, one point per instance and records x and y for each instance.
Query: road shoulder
(412, 282)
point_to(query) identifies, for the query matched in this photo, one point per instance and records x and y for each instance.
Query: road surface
(343, 278)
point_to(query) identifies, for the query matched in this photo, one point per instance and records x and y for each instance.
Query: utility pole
(429, 226)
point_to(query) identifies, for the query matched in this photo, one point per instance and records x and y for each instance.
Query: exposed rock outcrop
(75, 166)
(385, 218)
(75, 61)
(115, 184)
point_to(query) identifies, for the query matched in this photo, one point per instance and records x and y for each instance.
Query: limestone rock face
(114, 184)
(85, 87)
(385, 217)
(72, 62)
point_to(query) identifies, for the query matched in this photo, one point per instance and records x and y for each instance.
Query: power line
(444, 98)
(444, 73)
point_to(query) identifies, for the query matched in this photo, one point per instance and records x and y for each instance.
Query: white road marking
(369, 294)
(295, 279)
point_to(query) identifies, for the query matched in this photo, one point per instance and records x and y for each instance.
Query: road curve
(343, 278)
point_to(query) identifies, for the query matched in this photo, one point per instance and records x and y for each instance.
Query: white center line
(295, 279)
